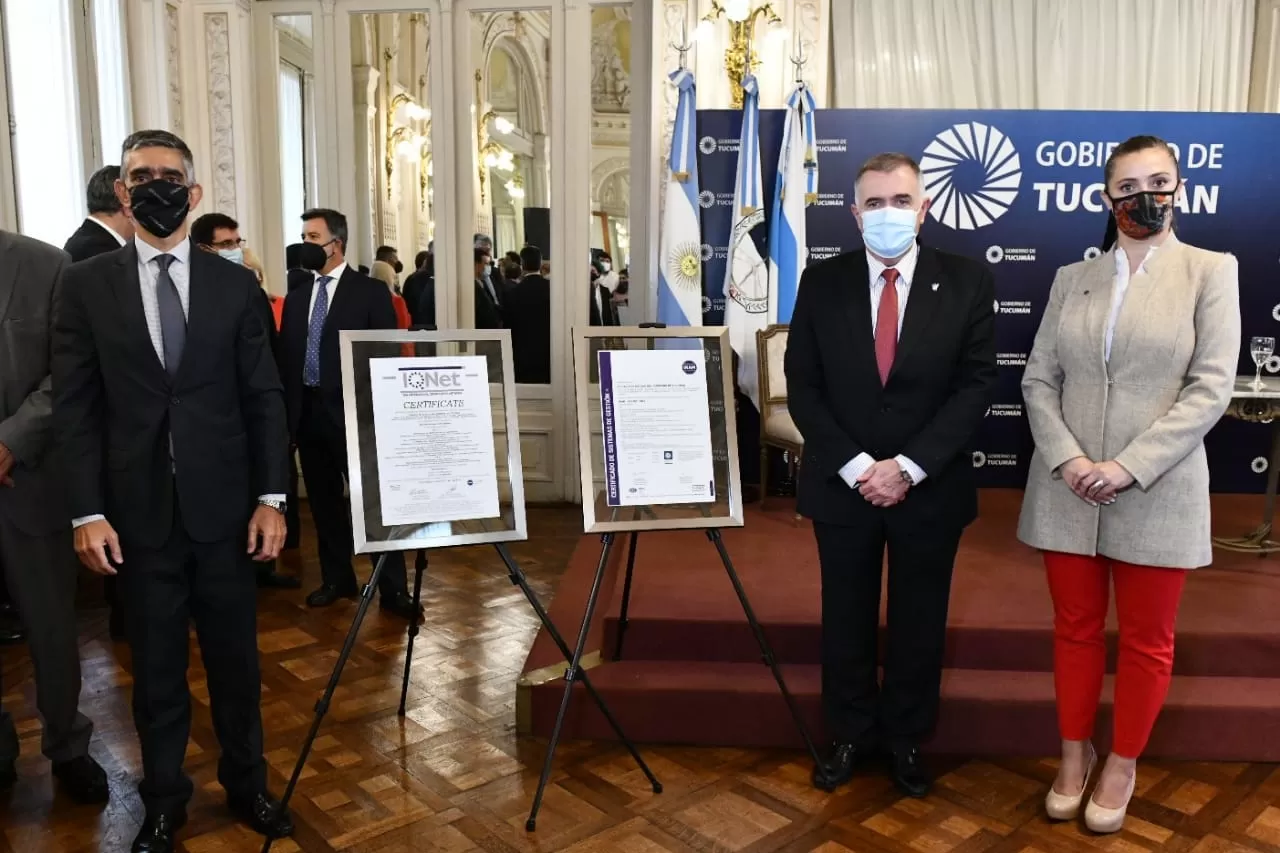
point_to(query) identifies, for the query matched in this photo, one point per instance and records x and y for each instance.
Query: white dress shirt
(105, 227)
(330, 289)
(148, 276)
(906, 266)
(1118, 288)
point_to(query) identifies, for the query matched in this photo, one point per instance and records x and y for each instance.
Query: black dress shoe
(839, 766)
(11, 635)
(326, 595)
(8, 775)
(401, 604)
(909, 774)
(83, 779)
(156, 835)
(262, 813)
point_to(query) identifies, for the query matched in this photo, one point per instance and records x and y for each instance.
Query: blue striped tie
(311, 367)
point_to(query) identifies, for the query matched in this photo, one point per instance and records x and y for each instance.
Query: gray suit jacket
(30, 275)
(1173, 365)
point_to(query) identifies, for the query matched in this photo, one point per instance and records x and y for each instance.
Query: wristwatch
(906, 476)
(278, 506)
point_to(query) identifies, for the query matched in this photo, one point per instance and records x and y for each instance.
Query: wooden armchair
(777, 429)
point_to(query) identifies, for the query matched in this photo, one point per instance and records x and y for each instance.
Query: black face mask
(1143, 214)
(312, 257)
(160, 207)
(399, 268)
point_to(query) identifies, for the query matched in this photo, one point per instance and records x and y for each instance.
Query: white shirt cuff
(913, 470)
(855, 468)
(279, 498)
(85, 519)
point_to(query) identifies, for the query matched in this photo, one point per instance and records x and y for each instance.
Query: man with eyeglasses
(170, 421)
(220, 234)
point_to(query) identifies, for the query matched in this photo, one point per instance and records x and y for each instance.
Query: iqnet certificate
(433, 429)
(657, 427)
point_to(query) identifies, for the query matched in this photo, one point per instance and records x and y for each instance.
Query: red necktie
(887, 324)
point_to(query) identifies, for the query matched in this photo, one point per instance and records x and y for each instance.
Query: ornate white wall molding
(173, 66)
(217, 42)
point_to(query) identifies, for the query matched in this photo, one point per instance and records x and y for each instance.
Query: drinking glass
(1261, 350)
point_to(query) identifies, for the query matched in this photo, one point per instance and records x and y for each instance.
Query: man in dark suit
(171, 424)
(108, 226)
(890, 363)
(527, 313)
(35, 541)
(338, 298)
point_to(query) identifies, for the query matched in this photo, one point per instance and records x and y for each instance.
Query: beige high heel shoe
(1104, 821)
(1067, 806)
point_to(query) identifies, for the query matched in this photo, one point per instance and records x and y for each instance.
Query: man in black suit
(600, 308)
(890, 363)
(171, 424)
(337, 298)
(527, 313)
(108, 226)
(106, 229)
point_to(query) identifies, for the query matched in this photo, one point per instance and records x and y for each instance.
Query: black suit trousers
(163, 590)
(322, 452)
(903, 709)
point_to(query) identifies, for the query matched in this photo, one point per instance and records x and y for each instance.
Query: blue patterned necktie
(311, 367)
(173, 321)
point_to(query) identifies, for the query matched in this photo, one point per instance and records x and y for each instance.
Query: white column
(364, 87)
(220, 123)
(155, 63)
(537, 191)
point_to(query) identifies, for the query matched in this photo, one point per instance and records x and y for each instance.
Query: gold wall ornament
(395, 134)
(740, 57)
(489, 154)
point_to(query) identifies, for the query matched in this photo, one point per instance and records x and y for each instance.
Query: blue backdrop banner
(1022, 191)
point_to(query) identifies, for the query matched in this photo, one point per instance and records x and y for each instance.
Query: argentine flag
(748, 303)
(797, 188)
(680, 243)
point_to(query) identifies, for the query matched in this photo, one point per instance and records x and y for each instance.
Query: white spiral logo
(706, 199)
(979, 459)
(1002, 175)
(707, 145)
(1259, 465)
(995, 255)
(1092, 252)
(707, 252)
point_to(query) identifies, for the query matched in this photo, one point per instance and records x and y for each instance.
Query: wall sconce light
(740, 57)
(402, 138)
(491, 154)
(515, 187)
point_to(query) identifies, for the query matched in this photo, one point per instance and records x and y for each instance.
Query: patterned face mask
(160, 207)
(1143, 214)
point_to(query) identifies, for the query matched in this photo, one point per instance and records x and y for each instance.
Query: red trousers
(1146, 609)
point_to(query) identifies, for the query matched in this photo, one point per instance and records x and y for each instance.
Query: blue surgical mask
(234, 255)
(889, 231)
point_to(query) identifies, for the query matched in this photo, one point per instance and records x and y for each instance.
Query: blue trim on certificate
(609, 427)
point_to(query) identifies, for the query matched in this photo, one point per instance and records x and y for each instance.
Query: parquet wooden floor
(452, 776)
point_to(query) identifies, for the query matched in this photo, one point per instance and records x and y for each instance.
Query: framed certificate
(433, 449)
(656, 429)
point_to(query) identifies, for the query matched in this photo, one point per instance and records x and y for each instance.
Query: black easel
(518, 578)
(766, 650)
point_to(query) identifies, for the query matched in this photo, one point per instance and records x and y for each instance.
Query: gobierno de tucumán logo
(972, 172)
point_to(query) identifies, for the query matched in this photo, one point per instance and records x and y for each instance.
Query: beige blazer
(1173, 364)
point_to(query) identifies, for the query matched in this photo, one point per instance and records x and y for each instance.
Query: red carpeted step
(984, 712)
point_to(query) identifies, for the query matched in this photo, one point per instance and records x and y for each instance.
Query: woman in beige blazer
(1134, 362)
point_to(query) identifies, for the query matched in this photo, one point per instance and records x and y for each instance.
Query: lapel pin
(934, 286)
